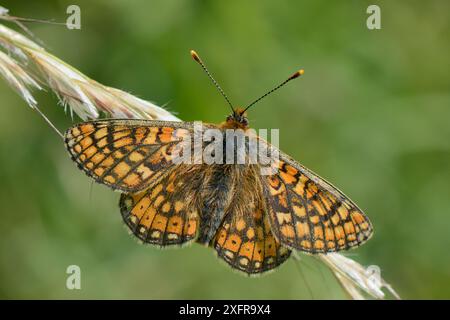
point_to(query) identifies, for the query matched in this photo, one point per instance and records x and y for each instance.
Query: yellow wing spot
(141, 207)
(302, 229)
(166, 207)
(155, 234)
(101, 133)
(102, 142)
(136, 156)
(270, 247)
(320, 209)
(318, 244)
(339, 232)
(122, 169)
(229, 254)
(110, 179)
(90, 151)
(99, 171)
(349, 228)
(132, 179)
(159, 222)
(364, 225)
(243, 261)
(158, 201)
(118, 154)
(247, 249)
(306, 244)
(258, 252)
(87, 128)
(75, 132)
(240, 224)
(77, 148)
(329, 234)
(222, 235)
(133, 219)
(178, 206)
(165, 137)
(335, 219)
(170, 187)
(86, 142)
(287, 178)
(97, 158)
(343, 212)
(175, 224)
(357, 217)
(284, 217)
(108, 162)
(318, 232)
(156, 190)
(250, 233)
(299, 211)
(325, 201)
(314, 219)
(233, 242)
(190, 227)
(148, 217)
(123, 142)
(287, 231)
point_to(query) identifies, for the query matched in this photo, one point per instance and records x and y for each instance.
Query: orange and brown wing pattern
(309, 214)
(247, 244)
(125, 154)
(160, 215)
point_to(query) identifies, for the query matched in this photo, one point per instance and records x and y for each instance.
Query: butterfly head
(237, 120)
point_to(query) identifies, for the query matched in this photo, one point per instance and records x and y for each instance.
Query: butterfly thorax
(237, 120)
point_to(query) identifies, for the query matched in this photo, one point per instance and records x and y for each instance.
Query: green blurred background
(371, 114)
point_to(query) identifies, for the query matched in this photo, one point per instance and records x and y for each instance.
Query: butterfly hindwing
(245, 241)
(125, 154)
(160, 215)
(309, 214)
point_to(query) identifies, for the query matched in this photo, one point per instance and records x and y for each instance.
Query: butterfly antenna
(200, 62)
(295, 75)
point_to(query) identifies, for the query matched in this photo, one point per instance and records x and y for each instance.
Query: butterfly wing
(163, 214)
(244, 238)
(126, 155)
(309, 214)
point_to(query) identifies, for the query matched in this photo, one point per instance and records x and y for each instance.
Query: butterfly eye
(244, 121)
(230, 118)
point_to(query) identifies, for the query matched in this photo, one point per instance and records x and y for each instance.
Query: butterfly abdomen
(215, 198)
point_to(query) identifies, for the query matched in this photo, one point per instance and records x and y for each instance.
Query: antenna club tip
(297, 74)
(195, 56)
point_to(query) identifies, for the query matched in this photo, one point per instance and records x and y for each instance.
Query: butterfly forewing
(309, 214)
(125, 154)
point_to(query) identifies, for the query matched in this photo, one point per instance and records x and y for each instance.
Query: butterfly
(253, 221)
